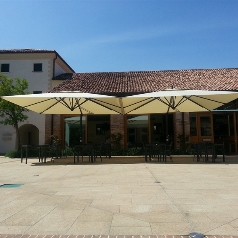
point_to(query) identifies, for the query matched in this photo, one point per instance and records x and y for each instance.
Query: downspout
(54, 64)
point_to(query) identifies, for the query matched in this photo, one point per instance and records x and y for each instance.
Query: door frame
(198, 137)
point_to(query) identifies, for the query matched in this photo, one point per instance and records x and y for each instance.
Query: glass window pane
(220, 126)
(72, 130)
(4, 67)
(137, 131)
(231, 125)
(158, 127)
(37, 67)
(205, 122)
(98, 128)
(193, 124)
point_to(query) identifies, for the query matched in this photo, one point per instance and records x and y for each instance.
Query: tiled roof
(26, 51)
(149, 81)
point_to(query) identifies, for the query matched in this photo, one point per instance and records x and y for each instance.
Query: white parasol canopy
(156, 102)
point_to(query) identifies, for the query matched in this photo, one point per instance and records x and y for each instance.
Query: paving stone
(117, 200)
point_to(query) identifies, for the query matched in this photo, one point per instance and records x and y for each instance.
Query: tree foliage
(10, 113)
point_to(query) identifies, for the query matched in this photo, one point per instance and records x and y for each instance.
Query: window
(37, 92)
(4, 67)
(137, 131)
(193, 124)
(72, 130)
(205, 124)
(99, 129)
(37, 67)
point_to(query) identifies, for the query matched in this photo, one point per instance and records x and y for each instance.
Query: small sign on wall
(6, 136)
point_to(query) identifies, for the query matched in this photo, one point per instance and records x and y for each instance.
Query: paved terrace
(121, 196)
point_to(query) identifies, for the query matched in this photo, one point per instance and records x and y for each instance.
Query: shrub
(32, 152)
(13, 154)
(134, 151)
(68, 151)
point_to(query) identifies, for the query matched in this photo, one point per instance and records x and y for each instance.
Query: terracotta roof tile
(25, 51)
(149, 81)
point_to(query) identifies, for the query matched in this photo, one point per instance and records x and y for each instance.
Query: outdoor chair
(54, 151)
(83, 150)
(44, 152)
(155, 150)
(198, 150)
(105, 150)
(219, 149)
(209, 151)
(169, 150)
(147, 151)
(97, 151)
(65, 150)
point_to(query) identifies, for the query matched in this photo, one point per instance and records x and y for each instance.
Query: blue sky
(126, 35)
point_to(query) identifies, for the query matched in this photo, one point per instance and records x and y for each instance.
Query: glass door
(205, 128)
(73, 130)
(232, 133)
(193, 127)
(137, 131)
(225, 131)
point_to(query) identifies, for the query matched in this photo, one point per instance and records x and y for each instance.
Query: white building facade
(38, 67)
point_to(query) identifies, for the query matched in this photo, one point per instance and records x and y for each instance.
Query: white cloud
(146, 33)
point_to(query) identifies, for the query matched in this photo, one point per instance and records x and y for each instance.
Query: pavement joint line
(170, 189)
(116, 236)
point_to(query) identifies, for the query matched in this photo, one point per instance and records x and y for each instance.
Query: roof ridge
(155, 71)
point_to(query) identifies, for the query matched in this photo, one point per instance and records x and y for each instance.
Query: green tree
(10, 113)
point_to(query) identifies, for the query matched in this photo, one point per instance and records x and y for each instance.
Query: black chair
(25, 148)
(147, 152)
(44, 152)
(155, 150)
(199, 150)
(219, 149)
(97, 151)
(54, 151)
(65, 149)
(169, 150)
(105, 150)
(83, 150)
(209, 151)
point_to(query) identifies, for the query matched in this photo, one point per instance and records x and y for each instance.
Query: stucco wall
(21, 66)
(38, 81)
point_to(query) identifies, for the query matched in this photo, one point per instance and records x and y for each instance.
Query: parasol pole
(81, 127)
(166, 128)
